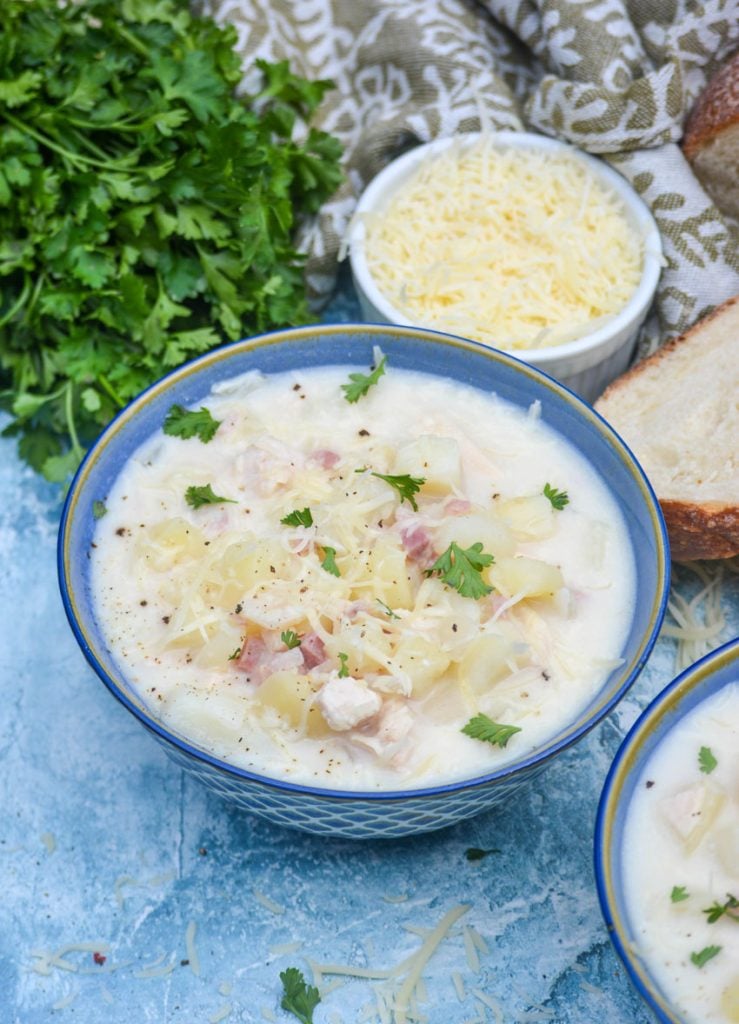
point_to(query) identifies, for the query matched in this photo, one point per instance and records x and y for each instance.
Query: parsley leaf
(717, 910)
(702, 958)
(475, 853)
(460, 569)
(558, 498)
(329, 561)
(147, 211)
(196, 497)
(99, 509)
(184, 423)
(236, 653)
(298, 998)
(290, 639)
(387, 609)
(706, 760)
(361, 383)
(343, 671)
(405, 485)
(483, 728)
(679, 893)
(299, 517)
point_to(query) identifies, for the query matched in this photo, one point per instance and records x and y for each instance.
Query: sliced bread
(711, 140)
(678, 411)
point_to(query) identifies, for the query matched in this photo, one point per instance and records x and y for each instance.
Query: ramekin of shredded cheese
(514, 240)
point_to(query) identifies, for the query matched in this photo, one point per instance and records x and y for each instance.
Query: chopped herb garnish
(329, 561)
(706, 760)
(387, 609)
(483, 728)
(679, 893)
(405, 485)
(558, 498)
(719, 909)
(475, 853)
(460, 569)
(99, 509)
(298, 998)
(361, 383)
(290, 639)
(702, 958)
(185, 423)
(198, 496)
(234, 656)
(299, 517)
(343, 671)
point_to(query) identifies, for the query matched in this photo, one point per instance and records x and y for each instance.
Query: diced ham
(325, 458)
(458, 507)
(313, 650)
(259, 661)
(416, 541)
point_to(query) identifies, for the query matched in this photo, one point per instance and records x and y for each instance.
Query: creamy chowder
(681, 862)
(330, 591)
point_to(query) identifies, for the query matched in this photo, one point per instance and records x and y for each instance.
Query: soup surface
(681, 862)
(400, 590)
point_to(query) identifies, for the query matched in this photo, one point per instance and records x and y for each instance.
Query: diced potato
(384, 568)
(436, 459)
(366, 645)
(166, 543)
(730, 1000)
(213, 722)
(422, 660)
(291, 696)
(692, 811)
(530, 518)
(727, 847)
(249, 563)
(217, 650)
(527, 576)
(479, 526)
(484, 662)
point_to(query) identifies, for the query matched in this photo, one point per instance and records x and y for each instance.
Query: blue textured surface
(100, 840)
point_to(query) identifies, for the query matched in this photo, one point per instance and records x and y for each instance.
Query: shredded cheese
(697, 624)
(517, 248)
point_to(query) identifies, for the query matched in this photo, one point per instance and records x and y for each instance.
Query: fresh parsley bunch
(146, 214)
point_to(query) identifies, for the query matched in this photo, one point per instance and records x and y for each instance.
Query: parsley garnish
(483, 728)
(706, 760)
(558, 498)
(343, 671)
(405, 485)
(299, 517)
(475, 853)
(329, 561)
(198, 496)
(290, 639)
(460, 569)
(99, 509)
(234, 656)
(719, 909)
(298, 998)
(387, 609)
(185, 423)
(679, 893)
(702, 958)
(140, 194)
(361, 383)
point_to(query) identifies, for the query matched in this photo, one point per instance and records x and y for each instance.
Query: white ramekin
(585, 365)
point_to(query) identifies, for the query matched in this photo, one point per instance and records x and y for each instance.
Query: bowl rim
(383, 185)
(630, 759)
(535, 759)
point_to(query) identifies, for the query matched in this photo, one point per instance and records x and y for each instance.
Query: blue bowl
(344, 813)
(684, 693)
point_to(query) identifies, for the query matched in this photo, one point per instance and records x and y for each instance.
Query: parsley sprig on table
(298, 998)
(460, 568)
(146, 213)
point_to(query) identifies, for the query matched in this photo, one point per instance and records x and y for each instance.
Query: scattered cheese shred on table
(512, 247)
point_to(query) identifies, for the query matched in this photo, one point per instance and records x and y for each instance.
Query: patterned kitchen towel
(615, 77)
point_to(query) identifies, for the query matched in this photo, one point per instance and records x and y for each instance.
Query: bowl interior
(410, 348)
(382, 188)
(700, 681)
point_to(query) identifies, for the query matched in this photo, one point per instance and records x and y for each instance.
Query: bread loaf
(678, 411)
(711, 140)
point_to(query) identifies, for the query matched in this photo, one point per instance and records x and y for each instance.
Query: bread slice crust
(705, 528)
